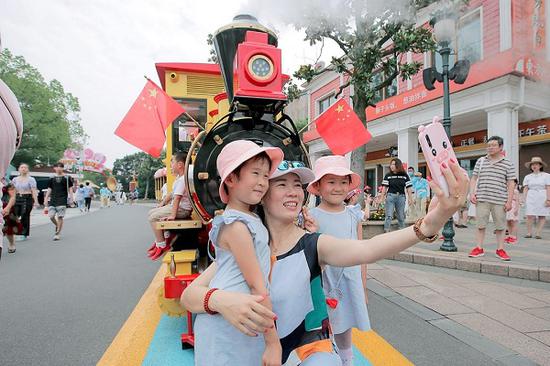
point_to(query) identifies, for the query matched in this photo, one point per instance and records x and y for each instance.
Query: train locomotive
(250, 65)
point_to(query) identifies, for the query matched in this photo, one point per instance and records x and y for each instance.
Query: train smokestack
(226, 41)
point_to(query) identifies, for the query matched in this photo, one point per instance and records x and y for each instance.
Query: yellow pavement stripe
(132, 341)
(377, 350)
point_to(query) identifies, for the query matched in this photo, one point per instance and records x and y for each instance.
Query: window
(325, 103)
(468, 44)
(384, 93)
(371, 180)
(184, 129)
(469, 37)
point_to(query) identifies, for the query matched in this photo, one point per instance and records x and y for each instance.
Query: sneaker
(152, 249)
(476, 252)
(511, 240)
(160, 251)
(502, 255)
(56, 237)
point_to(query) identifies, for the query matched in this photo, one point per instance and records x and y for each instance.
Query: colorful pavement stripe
(149, 338)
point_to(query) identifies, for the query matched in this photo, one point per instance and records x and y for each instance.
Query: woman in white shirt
(537, 196)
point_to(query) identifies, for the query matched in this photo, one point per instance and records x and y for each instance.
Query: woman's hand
(441, 206)
(309, 222)
(243, 311)
(273, 354)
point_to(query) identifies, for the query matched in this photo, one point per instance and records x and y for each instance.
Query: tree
(374, 44)
(50, 115)
(143, 166)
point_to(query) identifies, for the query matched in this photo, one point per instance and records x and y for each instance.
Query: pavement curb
(522, 271)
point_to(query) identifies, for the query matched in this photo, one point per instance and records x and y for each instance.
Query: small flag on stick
(341, 129)
(145, 124)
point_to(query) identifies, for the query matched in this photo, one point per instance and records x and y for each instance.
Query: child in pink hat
(344, 287)
(243, 256)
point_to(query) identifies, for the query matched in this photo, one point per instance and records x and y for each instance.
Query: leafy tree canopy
(50, 115)
(143, 166)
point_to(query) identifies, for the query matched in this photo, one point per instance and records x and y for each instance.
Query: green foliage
(373, 44)
(143, 166)
(292, 90)
(50, 115)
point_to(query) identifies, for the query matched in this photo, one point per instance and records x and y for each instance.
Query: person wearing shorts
(59, 189)
(492, 186)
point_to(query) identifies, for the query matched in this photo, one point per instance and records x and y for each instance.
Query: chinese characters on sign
(539, 130)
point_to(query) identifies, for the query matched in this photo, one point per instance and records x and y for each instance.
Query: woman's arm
(11, 201)
(409, 196)
(243, 311)
(344, 253)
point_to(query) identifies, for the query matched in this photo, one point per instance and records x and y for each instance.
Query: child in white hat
(343, 287)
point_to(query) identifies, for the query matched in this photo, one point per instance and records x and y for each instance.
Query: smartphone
(437, 149)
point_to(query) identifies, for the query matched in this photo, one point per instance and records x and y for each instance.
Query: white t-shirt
(179, 189)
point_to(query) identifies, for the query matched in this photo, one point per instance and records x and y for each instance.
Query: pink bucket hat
(237, 152)
(333, 164)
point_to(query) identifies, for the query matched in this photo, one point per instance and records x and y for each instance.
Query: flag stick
(306, 126)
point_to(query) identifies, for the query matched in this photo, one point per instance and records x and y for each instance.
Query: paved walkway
(508, 319)
(530, 257)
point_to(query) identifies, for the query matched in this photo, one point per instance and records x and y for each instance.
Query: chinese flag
(341, 129)
(145, 123)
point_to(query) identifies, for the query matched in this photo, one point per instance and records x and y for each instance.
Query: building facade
(507, 92)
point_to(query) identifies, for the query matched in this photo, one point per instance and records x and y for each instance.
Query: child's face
(251, 184)
(176, 166)
(334, 188)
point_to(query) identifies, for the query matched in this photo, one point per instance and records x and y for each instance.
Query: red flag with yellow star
(145, 123)
(341, 129)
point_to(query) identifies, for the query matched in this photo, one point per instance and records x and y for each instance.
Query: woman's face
(393, 166)
(284, 198)
(535, 167)
(23, 169)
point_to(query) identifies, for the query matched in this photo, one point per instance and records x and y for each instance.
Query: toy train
(251, 104)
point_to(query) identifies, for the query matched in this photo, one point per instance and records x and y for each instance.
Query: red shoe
(152, 249)
(160, 251)
(507, 239)
(512, 240)
(476, 252)
(502, 255)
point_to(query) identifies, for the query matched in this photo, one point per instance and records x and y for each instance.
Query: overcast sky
(100, 50)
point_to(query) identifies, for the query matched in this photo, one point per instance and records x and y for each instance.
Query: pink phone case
(437, 149)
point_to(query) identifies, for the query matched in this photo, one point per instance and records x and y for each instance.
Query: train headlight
(260, 68)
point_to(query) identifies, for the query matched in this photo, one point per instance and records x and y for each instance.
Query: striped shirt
(493, 177)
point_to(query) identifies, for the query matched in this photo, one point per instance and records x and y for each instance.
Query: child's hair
(180, 157)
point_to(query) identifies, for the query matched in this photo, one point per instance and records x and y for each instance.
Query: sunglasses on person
(287, 164)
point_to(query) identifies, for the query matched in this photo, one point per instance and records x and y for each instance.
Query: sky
(100, 50)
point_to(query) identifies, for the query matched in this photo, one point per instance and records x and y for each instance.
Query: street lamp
(444, 33)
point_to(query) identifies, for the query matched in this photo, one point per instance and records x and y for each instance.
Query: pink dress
(510, 215)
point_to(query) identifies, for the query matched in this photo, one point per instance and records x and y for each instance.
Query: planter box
(372, 228)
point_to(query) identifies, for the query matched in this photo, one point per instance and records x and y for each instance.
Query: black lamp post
(444, 33)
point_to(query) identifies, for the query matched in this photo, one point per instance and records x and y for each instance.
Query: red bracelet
(206, 299)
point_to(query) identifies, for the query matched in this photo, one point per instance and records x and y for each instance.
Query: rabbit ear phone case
(437, 149)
